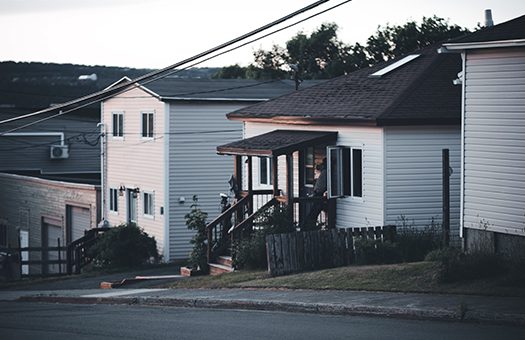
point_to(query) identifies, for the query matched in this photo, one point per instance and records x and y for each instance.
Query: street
(20, 320)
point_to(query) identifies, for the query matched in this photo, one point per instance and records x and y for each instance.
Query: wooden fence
(312, 250)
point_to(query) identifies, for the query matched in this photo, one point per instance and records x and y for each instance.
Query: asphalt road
(63, 321)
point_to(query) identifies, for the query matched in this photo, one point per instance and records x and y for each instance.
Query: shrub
(415, 243)
(368, 251)
(126, 245)
(276, 221)
(250, 252)
(196, 220)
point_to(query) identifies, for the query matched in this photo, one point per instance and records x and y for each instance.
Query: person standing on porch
(320, 188)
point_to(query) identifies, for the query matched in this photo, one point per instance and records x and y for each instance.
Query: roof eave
(484, 44)
(302, 120)
(204, 99)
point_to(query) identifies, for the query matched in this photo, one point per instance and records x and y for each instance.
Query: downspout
(462, 174)
(103, 222)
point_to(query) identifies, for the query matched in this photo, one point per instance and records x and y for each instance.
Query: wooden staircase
(223, 265)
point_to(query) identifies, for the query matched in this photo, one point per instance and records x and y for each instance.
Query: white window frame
(145, 132)
(120, 131)
(343, 158)
(265, 177)
(149, 209)
(113, 200)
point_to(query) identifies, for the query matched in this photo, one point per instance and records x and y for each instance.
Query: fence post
(59, 257)
(446, 197)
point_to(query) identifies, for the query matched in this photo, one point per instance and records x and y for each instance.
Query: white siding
(413, 177)
(351, 212)
(134, 161)
(195, 168)
(494, 141)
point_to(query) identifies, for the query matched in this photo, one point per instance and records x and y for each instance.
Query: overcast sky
(158, 33)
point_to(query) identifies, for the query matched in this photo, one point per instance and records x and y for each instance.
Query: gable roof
(418, 92)
(182, 89)
(512, 30)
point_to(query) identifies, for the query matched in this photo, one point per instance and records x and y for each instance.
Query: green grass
(423, 277)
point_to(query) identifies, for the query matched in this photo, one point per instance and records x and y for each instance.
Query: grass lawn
(405, 277)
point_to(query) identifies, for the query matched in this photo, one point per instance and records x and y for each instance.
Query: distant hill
(29, 86)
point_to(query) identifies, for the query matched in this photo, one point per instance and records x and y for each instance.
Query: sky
(158, 33)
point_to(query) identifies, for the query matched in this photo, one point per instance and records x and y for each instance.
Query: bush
(196, 220)
(458, 266)
(250, 252)
(415, 243)
(368, 251)
(276, 221)
(126, 245)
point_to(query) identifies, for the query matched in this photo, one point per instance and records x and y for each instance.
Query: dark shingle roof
(419, 92)
(243, 89)
(510, 30)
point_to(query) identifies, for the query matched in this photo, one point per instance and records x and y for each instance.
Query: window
(118, 124)
(309, 166)
(148, 203)
(345, 171)
(265, 170)
(113, 199)
(147, 124)
(3, 235)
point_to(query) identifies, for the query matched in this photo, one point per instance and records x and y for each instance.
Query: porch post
(289, 183)
(237, 173)
(275, 177)
(250, 185)
(302, 191)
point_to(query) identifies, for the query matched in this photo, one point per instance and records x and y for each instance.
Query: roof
(510, 30)
(174, 88)
(418, 92)
(277, 142)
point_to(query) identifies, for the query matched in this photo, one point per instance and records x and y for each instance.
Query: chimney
(488, 18)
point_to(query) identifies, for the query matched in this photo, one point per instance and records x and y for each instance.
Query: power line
(166, 71)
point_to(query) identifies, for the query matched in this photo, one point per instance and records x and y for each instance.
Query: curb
(296, 307)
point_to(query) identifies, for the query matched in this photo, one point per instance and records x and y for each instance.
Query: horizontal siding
(194, 166)
(135, 162)
(351, 212)
(494, 141)
(413, 177)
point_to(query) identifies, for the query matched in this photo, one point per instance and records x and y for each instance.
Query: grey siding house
(493, 137)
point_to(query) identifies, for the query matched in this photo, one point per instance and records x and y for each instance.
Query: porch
(273, 170)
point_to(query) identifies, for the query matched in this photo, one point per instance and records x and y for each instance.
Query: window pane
(121, 125)
(144, 125)
(334, 172)
(357, 172)
(346, 171)
(263, 169)
(150, 125)
(115, 125)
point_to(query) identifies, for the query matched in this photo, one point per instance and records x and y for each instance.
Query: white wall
(494, 141)
(413, 177)
(134, 161)
(351, 212)
(196, 129)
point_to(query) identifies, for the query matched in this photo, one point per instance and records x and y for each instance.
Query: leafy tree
(231, 72)
(196, 220)
(268, 64)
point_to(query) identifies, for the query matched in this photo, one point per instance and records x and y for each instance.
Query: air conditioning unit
(59, 152)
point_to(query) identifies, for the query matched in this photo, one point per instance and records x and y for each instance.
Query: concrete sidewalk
(496, 310)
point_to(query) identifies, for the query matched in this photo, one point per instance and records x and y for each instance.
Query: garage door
(79, 220)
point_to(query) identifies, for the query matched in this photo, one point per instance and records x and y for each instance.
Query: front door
(132, 205)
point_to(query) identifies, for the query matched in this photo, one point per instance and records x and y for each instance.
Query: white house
(382, 129)
(160, 152)
(493, 137)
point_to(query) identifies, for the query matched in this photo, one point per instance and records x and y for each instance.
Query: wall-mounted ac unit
(59, 152)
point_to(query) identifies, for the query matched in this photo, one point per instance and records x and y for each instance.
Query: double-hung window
(113, 199)
(147, 124)
(265, 171)
(148, 203)
(118, 124)
(345, 171)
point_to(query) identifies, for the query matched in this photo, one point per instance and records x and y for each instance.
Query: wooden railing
(77, 251)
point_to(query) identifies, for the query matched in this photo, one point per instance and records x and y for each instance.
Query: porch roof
(277, 142)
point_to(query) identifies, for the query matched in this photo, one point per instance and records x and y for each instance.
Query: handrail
(250, 218)
(226, 212)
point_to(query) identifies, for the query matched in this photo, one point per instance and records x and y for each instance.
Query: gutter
(37, 134)
(484, 44)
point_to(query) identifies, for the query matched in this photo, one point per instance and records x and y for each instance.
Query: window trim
(120, 130)
(151, 206)
(268, 174)
(150, 125)
(345, 171)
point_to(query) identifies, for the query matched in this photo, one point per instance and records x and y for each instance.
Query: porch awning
(277, 142)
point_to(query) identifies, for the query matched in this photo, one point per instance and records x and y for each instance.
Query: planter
(186, 271)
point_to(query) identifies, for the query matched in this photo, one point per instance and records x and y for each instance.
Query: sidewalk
(497, 310)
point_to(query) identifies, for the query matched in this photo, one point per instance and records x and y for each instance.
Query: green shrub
(277, 220)
(126, 245)
(250, 252)
(368, 251)
(196, 220)
(415, 243)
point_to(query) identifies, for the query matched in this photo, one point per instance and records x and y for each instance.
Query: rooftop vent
(394, 66)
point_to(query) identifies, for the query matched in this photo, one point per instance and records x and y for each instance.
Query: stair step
(225, 260)
(218, 269)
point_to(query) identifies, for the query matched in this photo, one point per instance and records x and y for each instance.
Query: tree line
(322, 55)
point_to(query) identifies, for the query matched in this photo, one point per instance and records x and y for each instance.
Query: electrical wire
(169, 70)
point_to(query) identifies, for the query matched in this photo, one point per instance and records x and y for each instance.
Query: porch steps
(223, 265)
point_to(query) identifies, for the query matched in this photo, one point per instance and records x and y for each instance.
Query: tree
(231, 72)
(196, 220)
